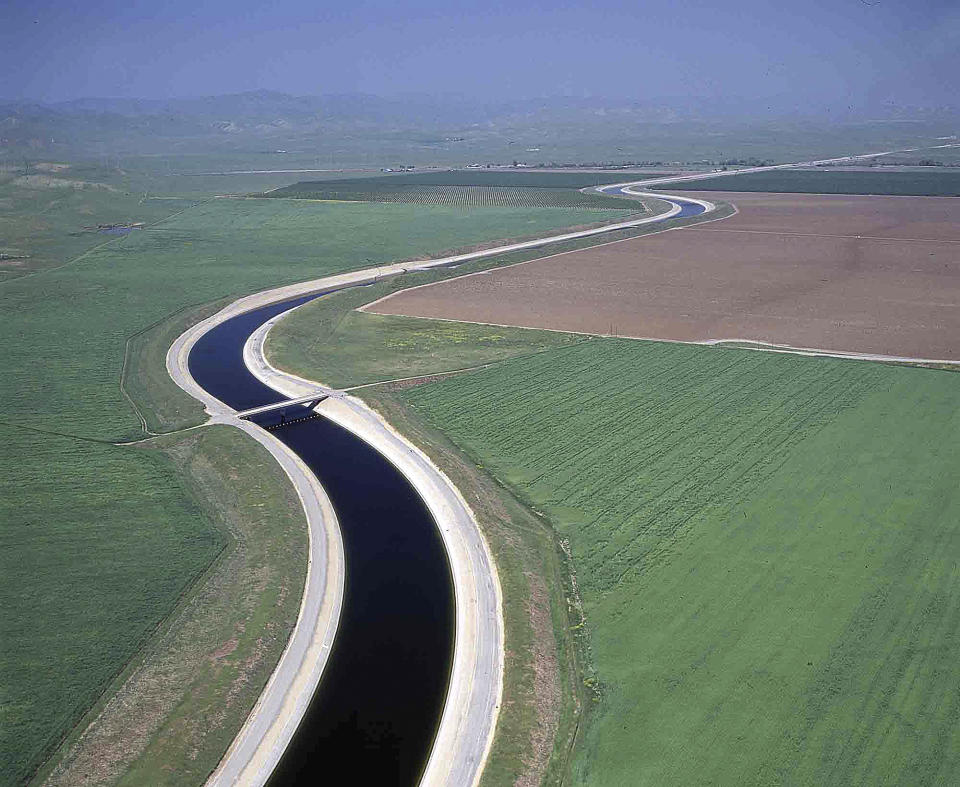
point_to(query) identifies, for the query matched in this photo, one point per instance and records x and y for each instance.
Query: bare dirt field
(844, 273)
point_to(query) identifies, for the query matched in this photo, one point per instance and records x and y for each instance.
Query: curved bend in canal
(378, 706)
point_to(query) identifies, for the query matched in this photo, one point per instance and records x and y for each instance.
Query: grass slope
(766, 549)
(179, 708)
(99, 530)
(49, 225)
(940, 183)
(97, 544)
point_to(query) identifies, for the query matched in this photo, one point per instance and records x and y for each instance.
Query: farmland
(48, 219)
(219, 248)
(523, 178)
(843, 273)
(459, 196)
(916, 183)
(470, 188)
(353, 348)
(82, 517)
(764, 546)
(177, 709)
(87, 574)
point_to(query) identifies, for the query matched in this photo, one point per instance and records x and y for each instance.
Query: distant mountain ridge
(265, 105)
(277, 120)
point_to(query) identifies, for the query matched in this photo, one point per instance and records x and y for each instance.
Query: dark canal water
(689, 209)
(375, 714)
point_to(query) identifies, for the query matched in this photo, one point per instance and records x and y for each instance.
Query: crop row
(629, 443)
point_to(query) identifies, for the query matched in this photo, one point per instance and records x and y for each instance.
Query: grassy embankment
(765, 546)
(175, 708)
(111, 517)
(938, 183)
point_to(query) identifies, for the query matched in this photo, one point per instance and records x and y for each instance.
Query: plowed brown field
(844, 273)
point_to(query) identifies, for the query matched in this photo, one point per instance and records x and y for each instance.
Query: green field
(79, 317)
(352, 348)
(43, 224)
(521, 178)
(97, 544)
(470, 188)
(765, 547)
(176, 710)
(935, 183)
(83, 519)
(459, 196)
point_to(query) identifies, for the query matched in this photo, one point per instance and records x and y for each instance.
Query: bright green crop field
(96, 545)
(766, 547)
(100, 542)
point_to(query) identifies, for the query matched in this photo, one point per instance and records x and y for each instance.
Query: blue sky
(839, 52)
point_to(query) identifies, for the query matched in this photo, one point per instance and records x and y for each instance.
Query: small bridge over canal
(309, 402)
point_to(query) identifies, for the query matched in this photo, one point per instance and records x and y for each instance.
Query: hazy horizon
(850, 55)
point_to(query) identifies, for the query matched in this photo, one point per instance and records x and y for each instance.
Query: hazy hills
(268, 120)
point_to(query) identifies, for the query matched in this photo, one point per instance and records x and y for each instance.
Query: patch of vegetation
(178, 709)
(459, 196)
(48, 226)
(98, 543)
(144, 381)
(487, 178)
(940, 183)
(342, 348)
(765, 546)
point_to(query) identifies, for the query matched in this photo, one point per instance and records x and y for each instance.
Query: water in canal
(375, 714)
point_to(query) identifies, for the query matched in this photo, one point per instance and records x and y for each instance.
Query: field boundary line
(422, 376)
(369, 306)
(460, 370)
(727, 344)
